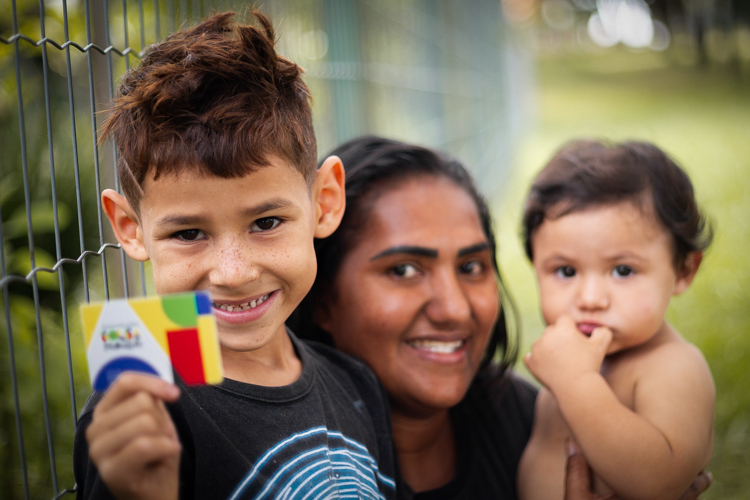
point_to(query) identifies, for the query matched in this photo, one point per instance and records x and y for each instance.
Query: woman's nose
(593, 294)
(448, 303)
(234, 265)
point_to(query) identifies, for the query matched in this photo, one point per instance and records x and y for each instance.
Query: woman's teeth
(244, 306)
(438, 346)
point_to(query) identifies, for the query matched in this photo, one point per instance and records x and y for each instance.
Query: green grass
(701, 117)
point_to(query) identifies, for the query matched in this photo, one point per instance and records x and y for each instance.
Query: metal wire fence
(437, 73)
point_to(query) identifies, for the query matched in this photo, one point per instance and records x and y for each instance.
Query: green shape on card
(181, 308)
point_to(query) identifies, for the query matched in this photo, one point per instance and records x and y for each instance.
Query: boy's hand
(132, 440)
(563, 354)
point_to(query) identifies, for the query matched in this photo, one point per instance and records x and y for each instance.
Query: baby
(613, 233)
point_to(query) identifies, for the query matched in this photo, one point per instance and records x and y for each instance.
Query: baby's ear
(124, 223)
(329, 196)
(687, 271)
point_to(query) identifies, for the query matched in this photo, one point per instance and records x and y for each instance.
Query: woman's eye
(265, 224)
(565, 271)
(473, 268)
(404, 271)
(190, 235)
(622, 271)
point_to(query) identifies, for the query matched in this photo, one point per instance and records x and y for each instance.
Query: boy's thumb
(602, 336)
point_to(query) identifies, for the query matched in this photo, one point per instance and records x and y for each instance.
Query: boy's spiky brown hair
(215, 99)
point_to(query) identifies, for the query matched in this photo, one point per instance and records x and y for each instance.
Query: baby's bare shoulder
(670, 364)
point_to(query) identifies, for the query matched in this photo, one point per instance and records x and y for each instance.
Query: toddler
(613, 233)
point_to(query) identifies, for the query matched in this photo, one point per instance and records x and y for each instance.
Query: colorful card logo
(153, 335)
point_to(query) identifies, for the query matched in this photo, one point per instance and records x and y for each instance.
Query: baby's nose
(593, 294)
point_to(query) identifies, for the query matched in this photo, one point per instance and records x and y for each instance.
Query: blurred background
(501, 84)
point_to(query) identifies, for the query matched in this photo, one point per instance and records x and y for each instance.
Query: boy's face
(608, 266)
(248, 241)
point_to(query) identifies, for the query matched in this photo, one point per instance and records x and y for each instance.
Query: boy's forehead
(197, 174)
(196, 186)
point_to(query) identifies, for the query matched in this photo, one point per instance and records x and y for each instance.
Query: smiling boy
(221, 193)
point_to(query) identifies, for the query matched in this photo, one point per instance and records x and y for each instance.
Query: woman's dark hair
(589, 173)
(373, 165)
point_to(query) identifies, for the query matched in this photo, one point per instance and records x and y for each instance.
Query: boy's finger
(139, 454)
(105, 418)
(112, 441)
(130, 382)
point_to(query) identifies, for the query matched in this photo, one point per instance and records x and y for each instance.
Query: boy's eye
(404, 271)
(622, 271)
(472, 268)
(565, 271)
(190, 235)
(265, 224)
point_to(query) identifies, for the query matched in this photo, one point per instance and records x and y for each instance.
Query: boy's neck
(273, 365)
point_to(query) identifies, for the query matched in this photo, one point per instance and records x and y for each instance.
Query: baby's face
(608, 266)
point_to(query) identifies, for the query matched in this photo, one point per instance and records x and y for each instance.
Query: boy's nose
(234, 265)
(448, 302)
(592, 294)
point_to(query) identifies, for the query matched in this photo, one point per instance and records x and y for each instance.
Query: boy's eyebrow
(267, 206)
(474, 249)
(188, 220)
(408, 249)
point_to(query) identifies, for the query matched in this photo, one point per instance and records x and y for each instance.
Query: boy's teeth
(437, 346)
(242, 307)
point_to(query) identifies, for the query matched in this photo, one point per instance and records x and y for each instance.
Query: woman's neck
(426, 448)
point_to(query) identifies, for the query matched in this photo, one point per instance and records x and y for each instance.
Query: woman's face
(416, 298)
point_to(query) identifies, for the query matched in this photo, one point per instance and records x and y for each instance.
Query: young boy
(217, 161)
(613, 233)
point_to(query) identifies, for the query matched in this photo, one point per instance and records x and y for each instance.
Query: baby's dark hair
(373, 166)
(589, 173)
(215, 99)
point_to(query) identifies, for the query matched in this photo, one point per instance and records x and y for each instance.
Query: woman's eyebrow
(479, 247)
(407, 249)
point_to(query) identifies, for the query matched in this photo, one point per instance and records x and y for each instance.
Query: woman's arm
(578, 479)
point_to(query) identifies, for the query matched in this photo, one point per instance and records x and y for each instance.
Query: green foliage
(702, 118)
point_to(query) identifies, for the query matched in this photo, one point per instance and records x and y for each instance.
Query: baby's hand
(132, 440)
(563, 354)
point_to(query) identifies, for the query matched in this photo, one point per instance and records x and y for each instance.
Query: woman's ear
(687, 271)
(329, 196)
(124, 223)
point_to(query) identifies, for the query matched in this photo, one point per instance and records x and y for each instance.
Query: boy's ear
(687, 272)
(329, 196)
(124, 223)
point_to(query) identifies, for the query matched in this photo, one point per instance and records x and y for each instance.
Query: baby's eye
(190, 235)
(622, 271)
(404, 271)
(472, 268)
(265, 224)
(565, 271)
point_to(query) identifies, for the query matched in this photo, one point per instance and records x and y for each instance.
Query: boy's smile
(607, 266)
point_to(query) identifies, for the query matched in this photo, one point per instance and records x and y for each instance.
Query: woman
(409, 284)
